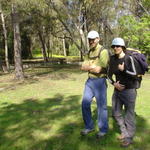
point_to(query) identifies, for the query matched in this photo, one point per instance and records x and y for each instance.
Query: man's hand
(95, 69)
(92, 69)
(119, 86)
(85, 67)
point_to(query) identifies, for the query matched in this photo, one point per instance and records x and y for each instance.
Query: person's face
(93, 42)
(117, 49)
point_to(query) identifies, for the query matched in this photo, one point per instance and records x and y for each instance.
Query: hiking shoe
(100, 134)
(121, 137)
(86, 131)
(126, 142)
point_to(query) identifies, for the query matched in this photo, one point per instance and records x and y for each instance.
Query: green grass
(44, 112)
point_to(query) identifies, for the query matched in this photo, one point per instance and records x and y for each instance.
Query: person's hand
(85, 67)
(95, 69)
(121, 66)
(91, 68)
(119, 86)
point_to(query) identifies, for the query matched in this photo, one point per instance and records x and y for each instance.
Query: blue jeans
(95, 87)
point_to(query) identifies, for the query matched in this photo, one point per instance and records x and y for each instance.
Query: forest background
(42, 43)
(50, 28)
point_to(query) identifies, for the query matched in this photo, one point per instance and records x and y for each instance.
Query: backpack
(139, 59)
(140, 63)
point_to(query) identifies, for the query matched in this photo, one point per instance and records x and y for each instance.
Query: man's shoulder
(99, 46)
(104, 50)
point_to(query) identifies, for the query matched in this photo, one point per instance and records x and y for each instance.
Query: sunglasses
(113, 46)
(91, 39)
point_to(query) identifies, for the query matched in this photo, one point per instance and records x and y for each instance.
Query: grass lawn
(44, 112)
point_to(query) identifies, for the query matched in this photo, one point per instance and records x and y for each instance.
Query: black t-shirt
(122, 76)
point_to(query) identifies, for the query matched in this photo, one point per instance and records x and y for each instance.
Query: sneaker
(100, 134)
(86, 131)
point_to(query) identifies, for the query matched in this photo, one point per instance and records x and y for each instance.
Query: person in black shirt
(124, 95)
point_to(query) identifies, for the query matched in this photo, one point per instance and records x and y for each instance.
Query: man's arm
(92, 69)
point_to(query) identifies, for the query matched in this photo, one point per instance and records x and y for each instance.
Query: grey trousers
(123, 105)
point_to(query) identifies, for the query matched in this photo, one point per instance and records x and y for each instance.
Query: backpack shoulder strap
(100, 50)
(98, 56)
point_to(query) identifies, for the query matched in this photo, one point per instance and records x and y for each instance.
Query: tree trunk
(43, 47)
(64, 47)
(50, 45)
(17, 45)
(5, 39)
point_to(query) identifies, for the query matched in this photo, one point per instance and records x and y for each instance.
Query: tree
(5, 38)
(78, 17)
(17, 44)
(134, 28)
(41, 24)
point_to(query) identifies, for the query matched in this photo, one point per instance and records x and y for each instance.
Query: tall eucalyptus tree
(5, 38)
(17, 44)
(80, 16)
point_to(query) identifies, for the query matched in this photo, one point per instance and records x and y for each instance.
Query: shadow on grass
(21, 123)
(55, 124)
(56, 68)
(33, 75)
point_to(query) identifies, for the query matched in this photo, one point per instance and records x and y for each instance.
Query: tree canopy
(60, 27)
